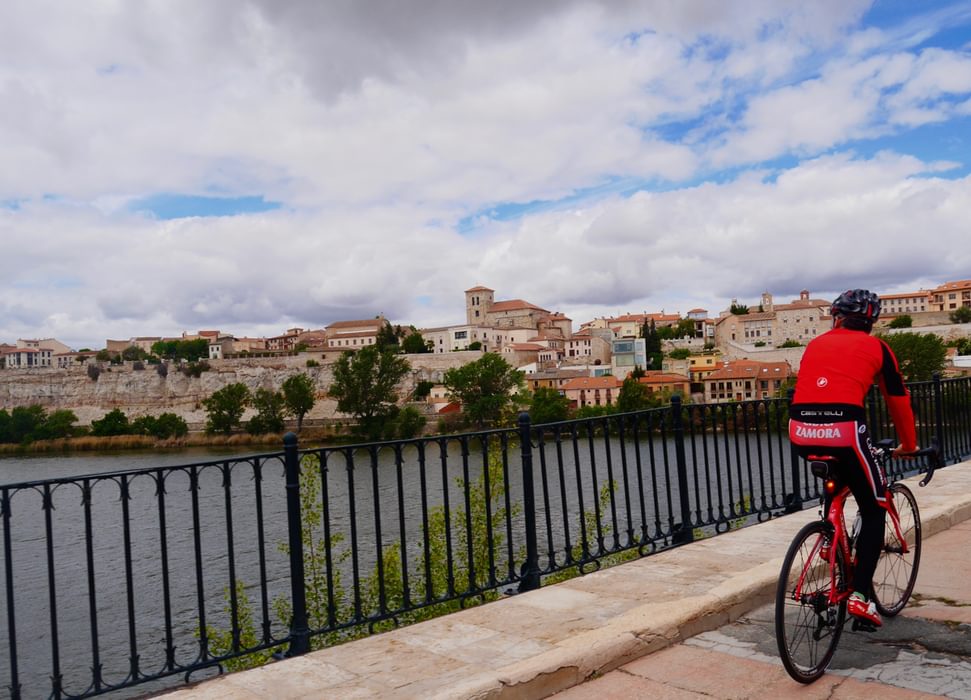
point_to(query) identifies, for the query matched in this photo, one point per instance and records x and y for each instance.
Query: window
(461, 335)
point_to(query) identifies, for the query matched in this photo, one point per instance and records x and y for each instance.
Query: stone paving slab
(693, 672)
(538, 643)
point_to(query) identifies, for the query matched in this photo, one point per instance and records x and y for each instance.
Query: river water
(99, 565)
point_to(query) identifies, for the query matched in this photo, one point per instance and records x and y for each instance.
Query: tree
(166, 425)
(919, 355)
(547, 405)
(964, 347)
(683, 328)
(407, 423)
(738, 309)
(389, 337)
(298, 397)
(59, 424)
(652, 345)
(633, 396)
(903, 321)
(680, 354)
(269, 407)
(422, 390)
(133, 352)
(189, 350)
(22, 424)
(169, 425)
(484, 387)
(961, 315)
(413, 343)
(365, 385)
(115, 422)
(225, 408)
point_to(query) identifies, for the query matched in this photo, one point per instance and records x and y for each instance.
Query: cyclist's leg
(868, 484)
(870, 539)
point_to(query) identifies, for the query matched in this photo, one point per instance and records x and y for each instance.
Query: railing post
(682, 533)
(939, 416)
(794, 499)
(529, 573)
(299, 630)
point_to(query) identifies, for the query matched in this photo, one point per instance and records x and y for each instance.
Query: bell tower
(478, 301)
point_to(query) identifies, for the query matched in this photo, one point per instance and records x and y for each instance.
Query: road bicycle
(817, 572)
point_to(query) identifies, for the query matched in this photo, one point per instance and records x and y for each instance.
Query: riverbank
(90, 443)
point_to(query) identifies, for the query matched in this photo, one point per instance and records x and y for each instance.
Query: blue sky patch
(931, 142)
(181, 206)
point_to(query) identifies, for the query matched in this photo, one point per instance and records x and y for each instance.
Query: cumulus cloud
(586, 156)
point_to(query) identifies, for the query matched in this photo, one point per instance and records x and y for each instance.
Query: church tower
(478, 301)
(766, 301)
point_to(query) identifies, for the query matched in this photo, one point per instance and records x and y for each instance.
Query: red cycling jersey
(840, 366)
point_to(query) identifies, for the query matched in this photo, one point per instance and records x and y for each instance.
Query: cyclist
(827, 418)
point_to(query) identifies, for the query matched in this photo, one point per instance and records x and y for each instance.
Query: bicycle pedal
(863, 626)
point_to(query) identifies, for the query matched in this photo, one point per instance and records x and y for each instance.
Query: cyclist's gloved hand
(900, 451)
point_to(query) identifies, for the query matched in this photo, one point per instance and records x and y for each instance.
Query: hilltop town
(743, 352)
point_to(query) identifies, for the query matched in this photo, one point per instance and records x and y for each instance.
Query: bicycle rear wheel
(896, 573)
(807, 624)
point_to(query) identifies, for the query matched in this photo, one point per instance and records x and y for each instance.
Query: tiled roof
(952, 286)
(803, 304)
(371, 322)
(641, 318)
(607, 382)
(905, 295)
(659, 377)
(750, 369)
(480, 288)
(513, 305)
(558, 374)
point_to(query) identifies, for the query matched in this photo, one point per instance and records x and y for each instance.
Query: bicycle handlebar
(933, 451)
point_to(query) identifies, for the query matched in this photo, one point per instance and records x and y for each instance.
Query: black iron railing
(132, 579)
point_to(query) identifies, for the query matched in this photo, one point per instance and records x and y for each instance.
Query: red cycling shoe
(863, 609)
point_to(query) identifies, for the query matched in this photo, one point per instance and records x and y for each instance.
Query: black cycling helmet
(860, 305)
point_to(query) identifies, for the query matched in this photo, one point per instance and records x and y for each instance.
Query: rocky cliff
(147, 392)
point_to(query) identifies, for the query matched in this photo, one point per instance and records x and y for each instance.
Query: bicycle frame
(836, 517)
(840, 539)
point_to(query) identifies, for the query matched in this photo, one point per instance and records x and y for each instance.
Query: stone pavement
(620, 629)
(923, 653)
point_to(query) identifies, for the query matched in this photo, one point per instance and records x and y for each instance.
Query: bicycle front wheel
(896, 572)
(807, 623)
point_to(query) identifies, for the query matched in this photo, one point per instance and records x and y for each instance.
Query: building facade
(775, 324)
(950, 296)
(905, 303)
(353, 335)
(745, 380)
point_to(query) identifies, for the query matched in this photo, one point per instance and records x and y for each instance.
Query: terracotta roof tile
(607, 382)
(514, 305)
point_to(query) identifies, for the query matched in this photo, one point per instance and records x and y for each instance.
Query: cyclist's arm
(898, 401)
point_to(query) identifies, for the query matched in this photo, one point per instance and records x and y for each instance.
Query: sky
(256, 165)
